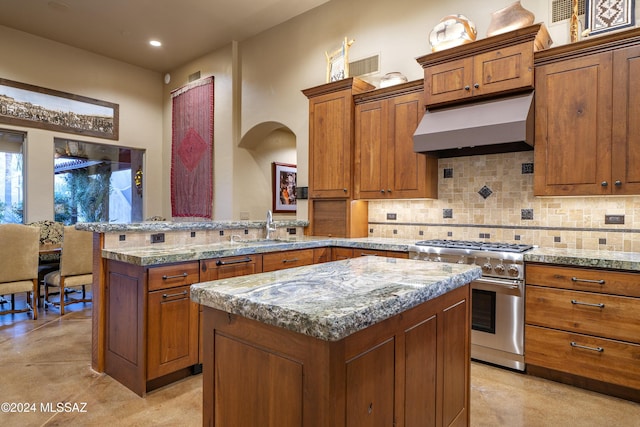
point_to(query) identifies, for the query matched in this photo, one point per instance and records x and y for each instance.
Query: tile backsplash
(490, 197)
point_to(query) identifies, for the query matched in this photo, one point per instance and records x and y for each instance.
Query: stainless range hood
(494, 126)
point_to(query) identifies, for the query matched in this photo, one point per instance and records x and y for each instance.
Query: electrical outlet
(614, 219)
(157, 238)
(392, 216)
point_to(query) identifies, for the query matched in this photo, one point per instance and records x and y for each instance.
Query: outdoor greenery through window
(97, 183)
(11, 176)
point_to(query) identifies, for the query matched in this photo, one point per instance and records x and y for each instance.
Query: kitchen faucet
(270, 225)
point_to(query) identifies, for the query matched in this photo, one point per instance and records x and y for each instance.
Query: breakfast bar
(362, 341)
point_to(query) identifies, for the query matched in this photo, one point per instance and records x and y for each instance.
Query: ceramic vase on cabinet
(509, 18)
(451, 31)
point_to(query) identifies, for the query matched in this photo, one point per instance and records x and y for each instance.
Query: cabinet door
(370, 403)
(503, 70)
(410, 174)
(224, 268)
(448, 82)
(371, 150)
(172, 324)
(330, 144)
(342, 253)
(573, 127)
(626, 132)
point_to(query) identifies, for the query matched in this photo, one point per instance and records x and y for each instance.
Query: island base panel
(411, 369)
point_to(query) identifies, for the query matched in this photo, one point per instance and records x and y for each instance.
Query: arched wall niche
(258, 149)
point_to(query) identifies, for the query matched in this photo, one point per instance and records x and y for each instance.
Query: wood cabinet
(386, 167)
(331, 113)
(495, 65)
(152, 329)
(332, 209)
(587, 133)
(411, 370)
(583, 327)
(287, 259)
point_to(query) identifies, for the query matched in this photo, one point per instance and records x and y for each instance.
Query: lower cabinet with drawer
(152, 326)
(582, 327)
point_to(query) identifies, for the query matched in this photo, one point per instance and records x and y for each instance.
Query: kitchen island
(363, 341)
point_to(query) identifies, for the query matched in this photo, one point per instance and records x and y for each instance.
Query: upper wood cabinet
(386, 167)
(498, 64)
(587, 133)
(331, 112)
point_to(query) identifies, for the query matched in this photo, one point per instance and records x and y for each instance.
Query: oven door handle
(509, 284)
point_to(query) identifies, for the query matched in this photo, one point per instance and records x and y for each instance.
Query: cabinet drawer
(608, 316)
(602, 359)
(584, 279)
(224, 268)
(169, 276)
(286, 259)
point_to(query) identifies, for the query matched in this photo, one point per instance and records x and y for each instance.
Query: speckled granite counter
(333, 300)
(585, 258)
(156, 226)
(155, 255)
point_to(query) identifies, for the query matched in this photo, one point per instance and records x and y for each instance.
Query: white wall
(36, 61)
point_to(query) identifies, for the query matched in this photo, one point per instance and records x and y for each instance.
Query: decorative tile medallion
(485, 192)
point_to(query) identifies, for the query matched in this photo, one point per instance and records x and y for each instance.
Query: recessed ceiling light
(155, 43)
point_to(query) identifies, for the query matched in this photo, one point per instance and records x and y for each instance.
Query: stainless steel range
(497, 298)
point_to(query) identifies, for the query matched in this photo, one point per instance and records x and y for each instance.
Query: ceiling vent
(561, 10)
(365, 66)
(193, 77)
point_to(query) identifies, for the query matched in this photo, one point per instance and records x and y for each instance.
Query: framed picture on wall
(284, 187)
(602, 16)
(23, 104)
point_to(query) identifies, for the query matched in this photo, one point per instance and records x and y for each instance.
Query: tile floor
(47, 361)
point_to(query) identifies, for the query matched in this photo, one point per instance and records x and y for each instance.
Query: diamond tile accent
(527, 168)
(526, 214)
(485, 192)
(448, 173)
(447, 213)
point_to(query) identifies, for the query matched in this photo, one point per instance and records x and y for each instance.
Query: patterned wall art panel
(607, 15)
(192, 150)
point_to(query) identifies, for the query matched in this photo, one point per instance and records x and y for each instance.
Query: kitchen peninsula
(362, 341)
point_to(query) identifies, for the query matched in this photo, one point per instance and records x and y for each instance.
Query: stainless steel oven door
(497, 322)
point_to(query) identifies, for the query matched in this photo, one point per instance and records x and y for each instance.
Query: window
(97, 183)
(11, 176)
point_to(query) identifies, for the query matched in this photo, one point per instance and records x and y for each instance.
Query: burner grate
(474, 245)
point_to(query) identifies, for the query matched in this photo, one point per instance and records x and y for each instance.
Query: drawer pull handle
(233, 261)
(599, 305)
(177, 276)
(290, 260)
(181, 294)
(599, 282)
(576, 345)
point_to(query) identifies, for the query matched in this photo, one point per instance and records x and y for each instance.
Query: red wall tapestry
(192, 150)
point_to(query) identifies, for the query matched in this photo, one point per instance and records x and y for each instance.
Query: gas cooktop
(474, 245)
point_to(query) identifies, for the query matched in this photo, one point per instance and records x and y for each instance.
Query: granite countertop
(585, 258)
(155, 226)
(155, 255)
(333, 300)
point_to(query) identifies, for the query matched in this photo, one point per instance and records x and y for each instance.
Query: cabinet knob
(344, 189)
(467, 87)
(477, 85)
(604, 183)
(618, 183)
(382, 191)
(389, 191)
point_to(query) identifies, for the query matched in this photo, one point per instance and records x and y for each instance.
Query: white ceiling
(121, 29)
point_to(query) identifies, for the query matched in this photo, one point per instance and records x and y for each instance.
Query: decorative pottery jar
(452, 30)
(391, 79)
(509, 18)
